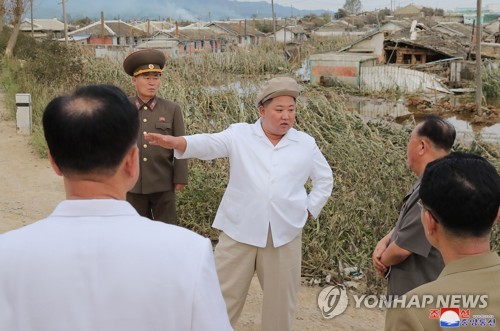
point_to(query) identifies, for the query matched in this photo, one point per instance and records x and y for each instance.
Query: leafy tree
(340, 14)
(264, 27)
(428, 11)
(383, 13)
(315, 20)
(352, 6)
(325, 16)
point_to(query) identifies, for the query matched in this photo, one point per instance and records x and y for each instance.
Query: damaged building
(440, 51)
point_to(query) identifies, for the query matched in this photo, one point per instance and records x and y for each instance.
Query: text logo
(449, 318)
(332, 301)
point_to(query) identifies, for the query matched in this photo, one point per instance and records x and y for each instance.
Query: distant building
(111, 32)
(43, 28)
(151, 27)
(372, 44)
(241, 33)
(337, 28)
(339, 66)
(291, 34)
(195, 39)
(395, 25)
(410, 11)
(169, 46)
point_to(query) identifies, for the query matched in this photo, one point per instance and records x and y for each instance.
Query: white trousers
(278, 271)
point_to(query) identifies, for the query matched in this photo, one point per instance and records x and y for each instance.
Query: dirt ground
(30, 191)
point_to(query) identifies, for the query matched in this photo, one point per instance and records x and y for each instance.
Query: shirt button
(145, 159)
(145, 146)
(145, 107)
(144, 132)
(145, 120)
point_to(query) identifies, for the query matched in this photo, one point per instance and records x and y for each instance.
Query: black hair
(90, 130)
(441, 133)
(463, 190)
(268, 101)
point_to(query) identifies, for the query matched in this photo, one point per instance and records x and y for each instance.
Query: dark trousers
(158, 206)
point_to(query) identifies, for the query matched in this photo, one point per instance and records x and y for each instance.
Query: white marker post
(24, 113)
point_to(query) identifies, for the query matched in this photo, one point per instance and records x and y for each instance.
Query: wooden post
(479, 80)
(65, 22)
(31, 14)
(274, 20)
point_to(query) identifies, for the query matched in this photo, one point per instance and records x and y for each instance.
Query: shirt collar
(94, 207)
(470, 263)
(291, 135)
(139, 103)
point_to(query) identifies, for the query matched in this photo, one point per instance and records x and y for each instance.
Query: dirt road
(30, 191)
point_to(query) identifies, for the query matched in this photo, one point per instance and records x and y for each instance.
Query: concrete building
(340, 66)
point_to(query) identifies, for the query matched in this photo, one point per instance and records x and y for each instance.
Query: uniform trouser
(158, 206)
(278, 270)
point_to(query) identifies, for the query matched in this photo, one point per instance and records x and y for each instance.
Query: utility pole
(479, 80)
(284, 33)
(31, 14)
(65, 22)
(274, 21)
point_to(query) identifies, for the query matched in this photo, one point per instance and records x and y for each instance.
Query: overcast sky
(334, 5)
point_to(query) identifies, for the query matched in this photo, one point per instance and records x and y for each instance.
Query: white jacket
(96, 265)
(266, 184)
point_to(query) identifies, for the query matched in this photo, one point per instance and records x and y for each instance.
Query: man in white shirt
(95, 264)
(265, 205)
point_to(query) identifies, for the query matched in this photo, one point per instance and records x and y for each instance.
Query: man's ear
(131, 162)
(430, 224)
(54, 165)
(424, 146)
(261, 110)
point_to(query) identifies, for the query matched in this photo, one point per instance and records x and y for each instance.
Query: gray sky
(378, 4)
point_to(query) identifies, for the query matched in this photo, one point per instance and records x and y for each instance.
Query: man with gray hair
(404, 255)
(265, 205)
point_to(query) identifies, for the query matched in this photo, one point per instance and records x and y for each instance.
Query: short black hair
(90, 130)
(463, 190)
(441, 133)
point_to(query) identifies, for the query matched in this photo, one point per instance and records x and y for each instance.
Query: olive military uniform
(159, 171)
(153, 196)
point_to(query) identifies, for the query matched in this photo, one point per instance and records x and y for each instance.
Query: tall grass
(491, 81)
(368, 159)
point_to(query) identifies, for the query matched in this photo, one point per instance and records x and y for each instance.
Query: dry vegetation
(368, 158)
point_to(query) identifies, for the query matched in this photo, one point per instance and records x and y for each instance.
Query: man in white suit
(94, 263)
(266, 204)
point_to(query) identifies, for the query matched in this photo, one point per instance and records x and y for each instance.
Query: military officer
(161, 175)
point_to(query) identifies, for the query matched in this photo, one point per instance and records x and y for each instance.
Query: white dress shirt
(266, 183)
(97, 265)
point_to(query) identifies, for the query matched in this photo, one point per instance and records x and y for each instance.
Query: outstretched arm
(166, 141)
